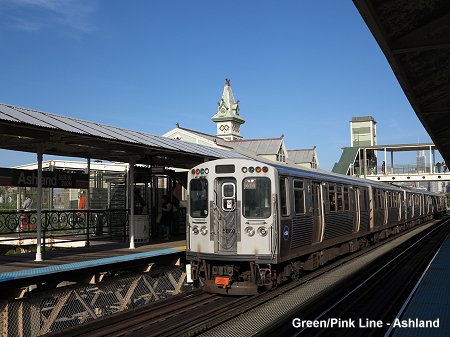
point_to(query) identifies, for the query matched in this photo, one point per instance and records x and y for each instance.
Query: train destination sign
(29, 178)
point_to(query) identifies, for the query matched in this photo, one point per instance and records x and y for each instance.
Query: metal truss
(68, 306)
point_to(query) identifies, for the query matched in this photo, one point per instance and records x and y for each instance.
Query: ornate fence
(59, 226)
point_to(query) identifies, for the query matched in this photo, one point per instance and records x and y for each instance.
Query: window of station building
(284, 197)
(281, 156)
(346, 198)
(256, 196)
(332, 197)
(198, 198)
(299, 197)
(339, 200)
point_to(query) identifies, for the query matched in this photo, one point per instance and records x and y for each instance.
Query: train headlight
(262, 231)
(250, 231)
(204, 230)
(244, 170)
(195, 230)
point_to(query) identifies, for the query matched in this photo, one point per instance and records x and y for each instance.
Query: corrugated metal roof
(348, 157)
(258, 146)
(40, 119)
(301, 156)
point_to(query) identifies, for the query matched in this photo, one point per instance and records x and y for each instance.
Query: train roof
(334, 177)
(290, 169)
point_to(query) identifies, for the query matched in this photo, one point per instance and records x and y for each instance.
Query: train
(252, 225)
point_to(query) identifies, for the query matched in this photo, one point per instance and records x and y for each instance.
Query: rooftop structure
(227, 118)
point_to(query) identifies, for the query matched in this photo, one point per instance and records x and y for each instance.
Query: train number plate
(222, 281)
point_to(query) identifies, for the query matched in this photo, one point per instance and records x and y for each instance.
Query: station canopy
(415, 38)
(28, 130)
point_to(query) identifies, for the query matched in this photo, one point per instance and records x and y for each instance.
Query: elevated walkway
(406, 177)
(363, 162)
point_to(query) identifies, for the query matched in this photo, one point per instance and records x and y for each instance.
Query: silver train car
(253, 225)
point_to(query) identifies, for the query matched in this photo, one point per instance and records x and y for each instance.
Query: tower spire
(227, 118)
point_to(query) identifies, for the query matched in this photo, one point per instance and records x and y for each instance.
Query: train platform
(427, 310)
(73, 264)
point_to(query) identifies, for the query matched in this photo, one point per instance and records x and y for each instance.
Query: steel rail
(370, 286)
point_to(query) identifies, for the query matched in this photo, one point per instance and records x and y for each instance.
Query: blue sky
(299, 68)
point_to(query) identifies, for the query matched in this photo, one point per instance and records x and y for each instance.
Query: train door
(226, 215)
(357, 194)
(317, 211)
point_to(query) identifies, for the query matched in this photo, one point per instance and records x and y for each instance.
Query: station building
(228, 135)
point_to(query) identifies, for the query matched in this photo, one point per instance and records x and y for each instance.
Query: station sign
(29, 178)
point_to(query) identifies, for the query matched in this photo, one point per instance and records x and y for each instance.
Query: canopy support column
(39, 210)
(88, 202)
(131, 195)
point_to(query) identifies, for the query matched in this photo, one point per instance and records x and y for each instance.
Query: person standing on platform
(176, 192)
(26, 217)
(166, 217)
(82, 201)
(81, 205)
(383, 167)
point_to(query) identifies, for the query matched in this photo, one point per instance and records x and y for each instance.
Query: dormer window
(281, 156)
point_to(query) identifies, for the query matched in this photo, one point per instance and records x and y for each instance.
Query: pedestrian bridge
(413, 177)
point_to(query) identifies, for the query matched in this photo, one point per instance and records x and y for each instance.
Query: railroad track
(163, 318)
(197, 312)
(374, 296)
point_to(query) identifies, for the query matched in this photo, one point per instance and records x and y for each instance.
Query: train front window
(256, 198)
(199, 198)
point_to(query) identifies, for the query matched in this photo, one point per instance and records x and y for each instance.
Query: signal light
(258, 169)
(265, 169)
(202, 171)
(193, 171)
(197, 171)
(244, 170)
(251, 169)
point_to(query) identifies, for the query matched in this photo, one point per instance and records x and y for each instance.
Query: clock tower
(227, 118)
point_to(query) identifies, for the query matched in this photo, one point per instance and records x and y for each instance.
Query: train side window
(346, 199)
(381, 199)
(332, 197)
(364, 199)
(283, 197)
(299, 197)
(340, 201)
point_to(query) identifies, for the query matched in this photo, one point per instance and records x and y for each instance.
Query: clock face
(223, 110)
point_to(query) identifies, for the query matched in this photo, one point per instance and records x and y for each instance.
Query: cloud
(33, 15)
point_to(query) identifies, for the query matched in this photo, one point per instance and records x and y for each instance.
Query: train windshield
(199, 198)
(256, 197)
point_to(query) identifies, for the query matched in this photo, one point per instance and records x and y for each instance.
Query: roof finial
(227, 82)
(178, 125)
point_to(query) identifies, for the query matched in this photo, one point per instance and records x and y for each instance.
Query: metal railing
(18, 228)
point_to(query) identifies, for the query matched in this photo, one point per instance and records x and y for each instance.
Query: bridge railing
(409, 169)
(18, 228)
